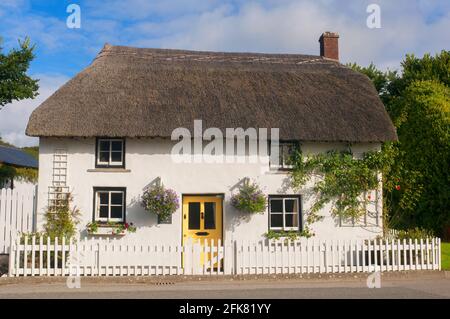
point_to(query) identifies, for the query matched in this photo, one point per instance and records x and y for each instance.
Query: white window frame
(110, 161)
(98, 204)
(283, 213)
(281, 159)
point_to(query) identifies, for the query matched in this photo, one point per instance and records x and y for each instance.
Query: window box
(115, 229)
(107, 230)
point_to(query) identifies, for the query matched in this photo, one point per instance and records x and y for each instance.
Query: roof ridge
(159, 54)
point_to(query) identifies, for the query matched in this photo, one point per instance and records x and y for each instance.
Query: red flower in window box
(397, 187)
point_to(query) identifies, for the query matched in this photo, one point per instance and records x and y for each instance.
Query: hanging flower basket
(249, 199)
(160, 201)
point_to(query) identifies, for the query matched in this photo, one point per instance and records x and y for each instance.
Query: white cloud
(14, 116)
(295, 26)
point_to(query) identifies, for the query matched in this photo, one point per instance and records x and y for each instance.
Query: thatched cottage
(105, 136)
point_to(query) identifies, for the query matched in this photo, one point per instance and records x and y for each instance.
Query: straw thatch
(131, 92)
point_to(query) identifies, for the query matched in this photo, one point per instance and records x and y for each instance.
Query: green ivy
(343, 179)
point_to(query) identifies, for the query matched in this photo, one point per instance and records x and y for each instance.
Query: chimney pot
(329, 45)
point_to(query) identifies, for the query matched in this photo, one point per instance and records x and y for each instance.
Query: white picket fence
(39, 256)
(16, 214)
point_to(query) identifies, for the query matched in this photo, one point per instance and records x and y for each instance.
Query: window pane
(116, 145)
(104, 157)
(116, 198)
(104, 198)
(194, 215)
(104, 146)
(290, 206)
(116, 156)
(276, 220)
(291, 220)
(210, 215)
(116, 211)
(276, 205)
(103, 212)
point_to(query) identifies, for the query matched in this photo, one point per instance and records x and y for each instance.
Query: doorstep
(174, 279)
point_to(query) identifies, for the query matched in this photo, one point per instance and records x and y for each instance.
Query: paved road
(411, 288)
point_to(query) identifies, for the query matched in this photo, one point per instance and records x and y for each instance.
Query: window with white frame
(284, 213)
(110, 152)
(109, 204)
(285, 153)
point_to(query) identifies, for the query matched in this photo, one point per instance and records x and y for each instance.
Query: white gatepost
(228, 258)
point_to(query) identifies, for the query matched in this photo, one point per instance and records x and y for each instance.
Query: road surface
(438, 287)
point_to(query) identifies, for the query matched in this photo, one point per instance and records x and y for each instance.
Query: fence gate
(16, 214)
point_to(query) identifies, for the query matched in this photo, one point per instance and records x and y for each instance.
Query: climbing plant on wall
(342, 179)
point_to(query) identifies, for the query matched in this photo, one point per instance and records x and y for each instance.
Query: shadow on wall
(139, 216)
(233, 217)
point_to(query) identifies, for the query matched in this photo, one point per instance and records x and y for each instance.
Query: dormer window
(110, 152)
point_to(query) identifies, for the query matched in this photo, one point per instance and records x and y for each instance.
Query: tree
(418, 101)
(15, 84)
(383, 81)
(424, 157)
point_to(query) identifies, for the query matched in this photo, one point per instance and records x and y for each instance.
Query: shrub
(414, 233)
(61, 220)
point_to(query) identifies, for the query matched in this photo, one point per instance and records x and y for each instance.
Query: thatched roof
(132, 92)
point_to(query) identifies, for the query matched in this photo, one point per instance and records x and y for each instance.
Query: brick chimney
(329, 45)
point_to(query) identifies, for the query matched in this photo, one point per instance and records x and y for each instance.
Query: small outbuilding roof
(16, 157)
(135, 92)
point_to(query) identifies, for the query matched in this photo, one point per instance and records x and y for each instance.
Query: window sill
(109, 170)
(278, 172)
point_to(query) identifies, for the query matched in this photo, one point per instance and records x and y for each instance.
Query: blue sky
(290, 26)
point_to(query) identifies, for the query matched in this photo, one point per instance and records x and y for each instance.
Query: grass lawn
(445, 256)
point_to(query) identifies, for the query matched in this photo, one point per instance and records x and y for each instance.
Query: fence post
(34, 209)
(381, 254)
(410, 255)
(439, 253)
(12, 252)
(226, 256)
(33, 252)
(98, 255)
(41, 253)
(237, 265)
(25, 256)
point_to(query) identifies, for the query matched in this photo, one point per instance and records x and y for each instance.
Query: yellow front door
(202, 220)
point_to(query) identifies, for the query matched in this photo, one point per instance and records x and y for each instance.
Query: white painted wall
(148, 159)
